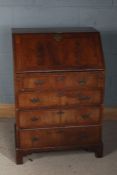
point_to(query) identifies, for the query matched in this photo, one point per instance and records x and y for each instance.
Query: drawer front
(38, 99)
(63, 80)
(59, 98)
(59, 137)
(57, 118)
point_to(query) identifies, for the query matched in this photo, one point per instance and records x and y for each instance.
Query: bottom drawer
(57, 137)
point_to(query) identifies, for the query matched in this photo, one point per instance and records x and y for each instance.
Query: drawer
(58, 98)
(58, 137)
(59, 117)
(63, 80)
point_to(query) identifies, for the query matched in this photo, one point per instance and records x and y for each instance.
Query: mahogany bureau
(59, 90)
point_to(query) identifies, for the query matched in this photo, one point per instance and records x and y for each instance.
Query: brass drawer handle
(61, 93)
(83, 136)
(39, 82)
(60, 131)
(83, 97)
(60, 112)
(85, 116)
(57, 37)
(34, 119)
(35, 139)
(82, 82)
(60, 78)
(35, 100)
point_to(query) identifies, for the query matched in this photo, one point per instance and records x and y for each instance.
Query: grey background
(101, 14)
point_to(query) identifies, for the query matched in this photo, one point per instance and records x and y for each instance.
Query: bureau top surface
(54, 30)
(57, 49)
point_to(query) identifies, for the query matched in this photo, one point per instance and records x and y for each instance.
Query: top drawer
(65, 80)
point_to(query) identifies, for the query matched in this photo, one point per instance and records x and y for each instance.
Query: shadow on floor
(110, 137)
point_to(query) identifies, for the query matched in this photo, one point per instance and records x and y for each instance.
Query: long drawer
(59, 117)
(59, 137)
(65, 80)
(58, 98)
